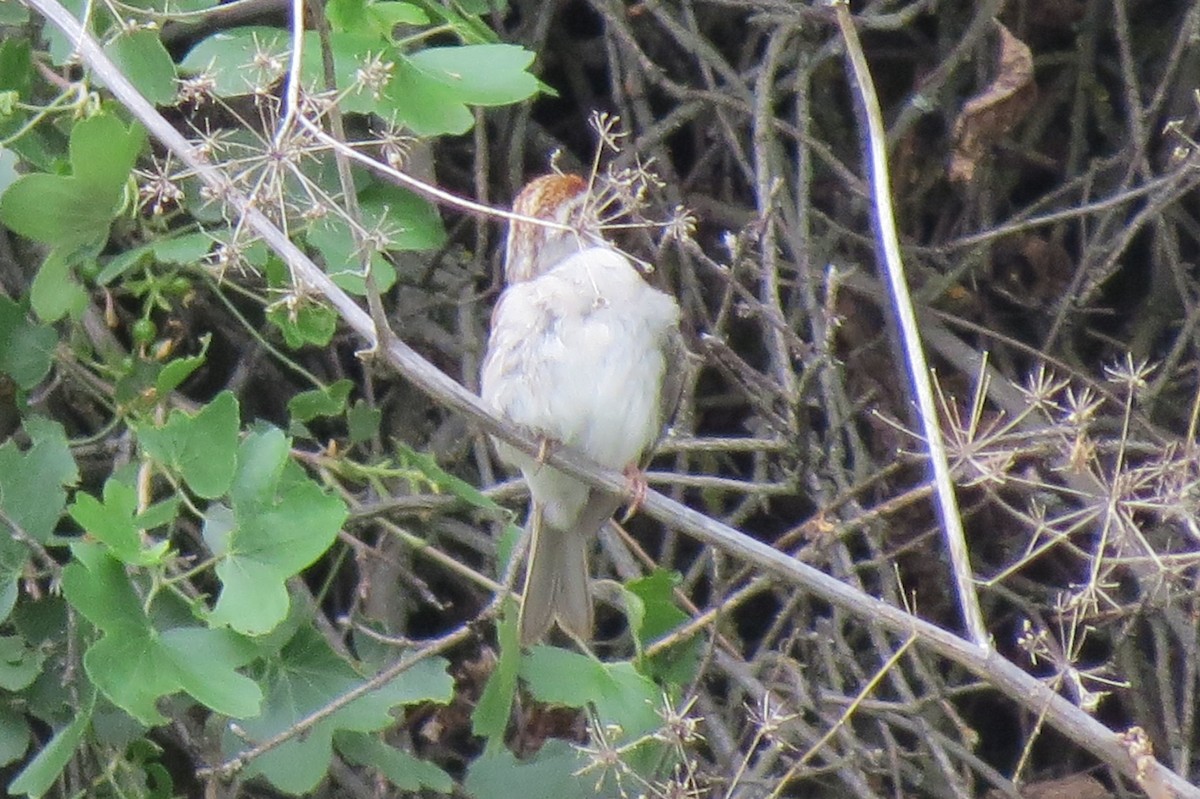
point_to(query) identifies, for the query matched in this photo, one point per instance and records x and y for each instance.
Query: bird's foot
(635, 488)
(546, 445)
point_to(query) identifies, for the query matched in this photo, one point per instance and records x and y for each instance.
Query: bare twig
(918, 370)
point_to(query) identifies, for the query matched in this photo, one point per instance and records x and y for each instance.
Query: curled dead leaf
(990, 115)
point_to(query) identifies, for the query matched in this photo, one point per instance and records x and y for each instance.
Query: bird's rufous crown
(532, 249)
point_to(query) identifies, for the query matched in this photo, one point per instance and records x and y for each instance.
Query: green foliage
(117, 524)
(73, 213)
(280, 522)
(618, 692)
(76, 209)
(554, 774)
(25, 348)
(403, 770)
(328, 401)
(650, 606)
(40, 774)
(200, 447)
(626, 705)
(32, 495)
(145, 61)
(167, 556)
(427, 91)
(305, 676)
(135, 662)
(492, 712)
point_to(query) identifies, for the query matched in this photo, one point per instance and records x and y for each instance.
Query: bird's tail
(556, 583)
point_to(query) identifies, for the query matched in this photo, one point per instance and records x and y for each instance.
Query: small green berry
(143, 331)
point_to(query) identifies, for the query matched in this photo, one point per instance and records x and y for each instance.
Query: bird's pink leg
(636, 488)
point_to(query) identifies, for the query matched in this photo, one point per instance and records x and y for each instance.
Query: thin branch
(918, 369)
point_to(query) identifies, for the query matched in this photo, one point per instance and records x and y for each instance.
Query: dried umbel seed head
(533, 249)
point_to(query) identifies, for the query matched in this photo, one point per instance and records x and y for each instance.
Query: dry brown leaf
(1030, 270)
(989, 116)
(1077, 786)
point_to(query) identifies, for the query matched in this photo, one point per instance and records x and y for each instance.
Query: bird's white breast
(576, 355)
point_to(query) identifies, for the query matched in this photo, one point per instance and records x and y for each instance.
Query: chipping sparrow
(585, 353)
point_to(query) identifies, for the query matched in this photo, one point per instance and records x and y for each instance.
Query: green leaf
(113, 523)
(480, 74)
(14, 735)
(19, 663)
(201, 448)
(282, 522)
(126, 667)
(175, 372)
(362, 422)
(306, 323)
(385, 16)
(430, 90)
(14, 557)
(103, 152)
(412, 222)
(141, 57)
(183, 250)
(68, 211)
(364, 17)
(347, 15)
(39, 776)
(490, 718)
(243, 60)
(553, 774)
(159, 514)
(204, 662)
(186, 250)
(618, 692)
(329, 401)
(134, 664)
(506, 544)
(31, 482)
(8, 169)
(55, 293)
(16, 64)
(463, 17)
(422, 103)
(654, 598)
(96, 585)
(13, 14)
(341, 254)
(308, 676)
(402, 769)
(74, 210)
(57, 210)
(626, 703)
(26, 349)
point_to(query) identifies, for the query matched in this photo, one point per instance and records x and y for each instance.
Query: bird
(582, 353)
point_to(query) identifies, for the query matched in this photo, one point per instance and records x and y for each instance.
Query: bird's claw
(546, 445)
(636, 488)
